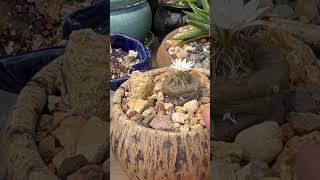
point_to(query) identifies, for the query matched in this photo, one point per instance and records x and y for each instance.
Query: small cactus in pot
(180, 86)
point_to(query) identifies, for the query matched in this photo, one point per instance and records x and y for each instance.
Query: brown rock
(71, 164)
(141, 85)
(131, 113)
(90, 172)
(58, 117)
(52, 168)
(68, 132)
(307, 166)
(47, 148)
(85, 61)
(136, 118)
(285, 162)
(304, 122)
(287, 132)
(160, 108)
(94, 146)
(162, 122)
(182, 53)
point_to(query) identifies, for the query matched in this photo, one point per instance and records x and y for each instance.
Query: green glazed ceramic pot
(130, 17)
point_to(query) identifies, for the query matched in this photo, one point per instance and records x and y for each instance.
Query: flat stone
(68, 132)
(90, 172)
(162, 122)
(224, 171)
(94, 145)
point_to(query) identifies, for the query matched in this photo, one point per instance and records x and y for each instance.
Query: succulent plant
(200, 19)
(230, 17)
(182, 67)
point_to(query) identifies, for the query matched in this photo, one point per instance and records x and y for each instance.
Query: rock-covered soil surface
(197, 52)
(145, 104)
(27, 25)
(121, 62)
(273, 149)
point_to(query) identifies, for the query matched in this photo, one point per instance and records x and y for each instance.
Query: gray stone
(261, 142)
(304, 122)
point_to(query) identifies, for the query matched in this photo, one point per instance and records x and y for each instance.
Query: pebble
(133, 54)
(182, 54)
(162, 122)
(136, 118)
(179, 117)
(191, 106)
(131, 113)
(140, 105)
(180, 109)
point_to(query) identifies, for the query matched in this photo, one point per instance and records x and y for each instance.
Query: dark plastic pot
(169, 17)
(127, 43)
(16, 71)
(95, 17)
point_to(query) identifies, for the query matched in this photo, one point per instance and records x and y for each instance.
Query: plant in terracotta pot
(157, 122)
(250, 76)
(189, 42)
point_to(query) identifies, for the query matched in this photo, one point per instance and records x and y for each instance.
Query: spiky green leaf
(190, 34)
(202, 26)
(195, 17)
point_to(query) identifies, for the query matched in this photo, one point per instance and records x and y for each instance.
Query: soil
(24, 26)
(120, 63)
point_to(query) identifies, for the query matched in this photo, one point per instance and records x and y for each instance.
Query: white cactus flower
(181, 65)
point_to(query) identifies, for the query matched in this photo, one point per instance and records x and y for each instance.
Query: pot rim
(116, 106)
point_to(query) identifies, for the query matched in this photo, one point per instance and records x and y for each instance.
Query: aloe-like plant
(200, 19)
(230, 18)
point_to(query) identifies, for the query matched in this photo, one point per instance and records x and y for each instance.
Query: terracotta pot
(146, 153)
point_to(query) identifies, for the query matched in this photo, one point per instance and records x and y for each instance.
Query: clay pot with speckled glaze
(149, 154)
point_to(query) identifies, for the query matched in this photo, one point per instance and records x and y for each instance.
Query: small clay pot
(145, 153)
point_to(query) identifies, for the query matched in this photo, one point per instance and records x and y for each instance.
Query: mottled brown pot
(19, 155)
(148, 154)
(163, 57)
